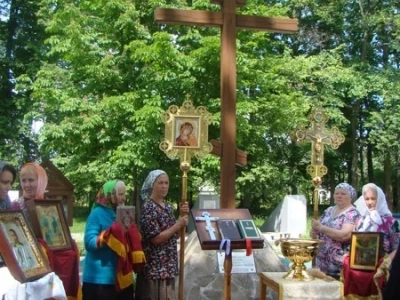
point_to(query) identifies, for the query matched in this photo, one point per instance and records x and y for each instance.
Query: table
(316, 289)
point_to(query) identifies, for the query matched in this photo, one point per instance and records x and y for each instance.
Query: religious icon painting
(20, 250)
(186, 133)
(49, 222)
(366, 249)
(125, 215)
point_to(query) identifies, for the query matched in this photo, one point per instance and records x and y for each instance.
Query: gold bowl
(299, 251)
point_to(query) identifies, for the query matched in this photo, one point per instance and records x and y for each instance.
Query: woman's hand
(316, 226)
(182, 221)
(184, 208)
(313, 234)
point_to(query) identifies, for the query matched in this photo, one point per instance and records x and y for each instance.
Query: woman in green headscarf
(100, 269)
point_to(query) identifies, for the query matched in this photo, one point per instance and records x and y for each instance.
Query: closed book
(248, 229)
(228, 229)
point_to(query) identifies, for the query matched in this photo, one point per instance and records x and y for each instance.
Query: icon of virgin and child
(187, 135)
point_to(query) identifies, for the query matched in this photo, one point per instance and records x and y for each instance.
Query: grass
(80, 216)
(78, 228)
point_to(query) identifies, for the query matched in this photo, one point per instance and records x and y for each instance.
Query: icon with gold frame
(366, 249)
(20, 250)
(186, 131)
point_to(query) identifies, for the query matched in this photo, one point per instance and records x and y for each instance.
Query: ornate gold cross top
(319, 136)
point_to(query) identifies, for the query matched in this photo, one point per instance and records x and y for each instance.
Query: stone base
(202, 279)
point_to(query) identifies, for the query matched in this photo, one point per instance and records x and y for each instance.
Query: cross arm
(215, 19)
(281, 25)
(239, 3)
(188, 17)
(241, 156)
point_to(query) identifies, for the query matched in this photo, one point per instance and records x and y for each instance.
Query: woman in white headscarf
(159, 230)
(376, 216)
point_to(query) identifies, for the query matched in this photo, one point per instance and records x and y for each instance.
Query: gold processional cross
(229, 21)
(319, 136)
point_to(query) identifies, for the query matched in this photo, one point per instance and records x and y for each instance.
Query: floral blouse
(390, 229)
(18, 204)
(330, 256)
(161, 259)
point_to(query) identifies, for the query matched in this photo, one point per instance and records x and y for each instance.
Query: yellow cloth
(356, 297)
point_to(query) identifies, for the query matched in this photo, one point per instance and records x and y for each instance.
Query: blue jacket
(100, 263)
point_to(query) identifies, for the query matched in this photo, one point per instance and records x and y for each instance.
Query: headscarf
(348, 188)
(107, 196)
(41, 179)
(147, 187)
(373, 218)
(6, 203)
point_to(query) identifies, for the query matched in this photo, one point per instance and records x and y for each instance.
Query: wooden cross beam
(229, 21)
(240, 158)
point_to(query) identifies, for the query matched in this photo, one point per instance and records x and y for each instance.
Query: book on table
(228, 229)
(248, 229)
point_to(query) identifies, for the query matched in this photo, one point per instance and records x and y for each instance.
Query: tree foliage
(106, 72)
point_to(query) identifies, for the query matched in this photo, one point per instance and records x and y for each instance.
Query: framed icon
(19, 248)
(49, 222)
(366, 250)
(186, 131)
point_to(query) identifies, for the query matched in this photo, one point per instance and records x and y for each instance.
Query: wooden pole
(317, 182)
(227, 275)
(185, 167)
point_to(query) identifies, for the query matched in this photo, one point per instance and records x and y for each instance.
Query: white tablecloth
(45, 287)
(316, 289)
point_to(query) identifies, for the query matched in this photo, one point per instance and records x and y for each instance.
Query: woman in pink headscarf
(64, 263)
(33, 179)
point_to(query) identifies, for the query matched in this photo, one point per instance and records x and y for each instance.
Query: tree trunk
(370, 165)
(354, 144)
(388, 180)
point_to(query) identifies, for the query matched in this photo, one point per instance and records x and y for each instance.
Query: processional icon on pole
(319, 136)
(186, 136)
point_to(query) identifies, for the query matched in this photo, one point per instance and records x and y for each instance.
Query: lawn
(78, 228)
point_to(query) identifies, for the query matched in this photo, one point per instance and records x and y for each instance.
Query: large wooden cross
(229, 21)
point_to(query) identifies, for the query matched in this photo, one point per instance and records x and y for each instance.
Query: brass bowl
(299, 251)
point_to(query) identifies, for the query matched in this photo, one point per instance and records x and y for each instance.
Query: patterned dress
(330, 256)
(157, 278)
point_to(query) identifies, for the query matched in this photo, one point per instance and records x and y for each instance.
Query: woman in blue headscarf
(334, 228)
(159, 232)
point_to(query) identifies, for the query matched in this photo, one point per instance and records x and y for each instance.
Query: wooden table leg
(227, 276)
(263, 289)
